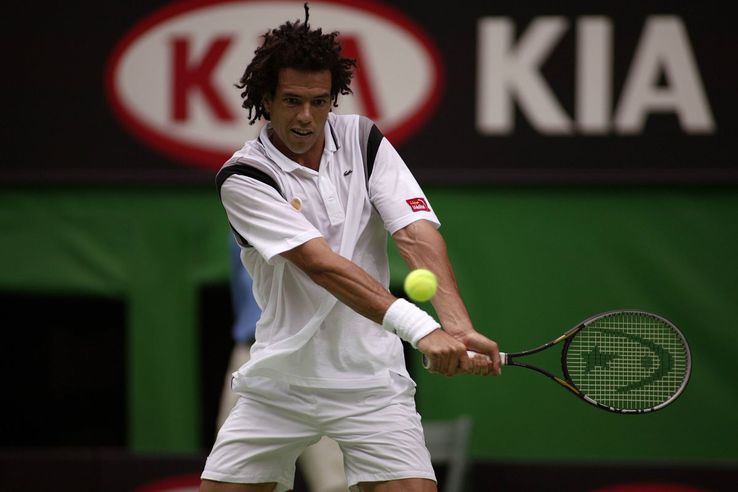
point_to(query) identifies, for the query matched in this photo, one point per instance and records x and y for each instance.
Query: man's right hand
(448, 356)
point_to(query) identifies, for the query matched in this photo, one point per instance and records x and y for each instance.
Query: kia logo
(170, 80)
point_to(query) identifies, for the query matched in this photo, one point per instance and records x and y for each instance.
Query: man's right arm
(354, 287)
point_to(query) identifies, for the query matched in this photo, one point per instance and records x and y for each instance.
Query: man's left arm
(422, 246)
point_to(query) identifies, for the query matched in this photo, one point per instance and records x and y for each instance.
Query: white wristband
(408, 321)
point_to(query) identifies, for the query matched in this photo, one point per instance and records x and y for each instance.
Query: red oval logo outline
(194, 155)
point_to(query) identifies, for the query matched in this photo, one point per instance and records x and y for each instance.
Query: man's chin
(299, 149)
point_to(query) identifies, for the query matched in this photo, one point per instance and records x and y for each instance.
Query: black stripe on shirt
(372, 146)
(248, 171)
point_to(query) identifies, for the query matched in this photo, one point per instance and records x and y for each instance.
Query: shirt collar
(287, 164)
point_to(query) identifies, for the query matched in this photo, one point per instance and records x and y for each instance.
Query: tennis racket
(623, 361)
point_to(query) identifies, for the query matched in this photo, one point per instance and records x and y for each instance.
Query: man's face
(298, 111)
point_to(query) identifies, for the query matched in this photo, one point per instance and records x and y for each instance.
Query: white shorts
(378, 429)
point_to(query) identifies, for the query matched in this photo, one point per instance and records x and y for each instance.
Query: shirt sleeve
(264, 218)
(395, 193)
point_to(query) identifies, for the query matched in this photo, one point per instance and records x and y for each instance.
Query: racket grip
(503, 356)
(470, 353)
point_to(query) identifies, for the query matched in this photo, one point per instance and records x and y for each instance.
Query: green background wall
(530, 262)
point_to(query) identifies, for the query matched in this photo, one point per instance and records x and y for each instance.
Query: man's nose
(305, 114)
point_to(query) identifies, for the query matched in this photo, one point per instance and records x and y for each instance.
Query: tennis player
(310, 202)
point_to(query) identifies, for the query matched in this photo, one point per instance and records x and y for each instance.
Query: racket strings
(630, 361)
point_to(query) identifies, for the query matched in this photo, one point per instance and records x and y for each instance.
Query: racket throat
(567, 385)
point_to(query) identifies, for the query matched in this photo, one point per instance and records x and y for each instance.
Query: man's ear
(266, 101)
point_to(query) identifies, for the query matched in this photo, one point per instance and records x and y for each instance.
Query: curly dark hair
(293, 45)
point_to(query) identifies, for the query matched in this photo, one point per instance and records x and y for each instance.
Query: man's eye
(292, 101)
(320, 102)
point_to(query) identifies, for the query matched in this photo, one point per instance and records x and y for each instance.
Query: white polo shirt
(305, 336)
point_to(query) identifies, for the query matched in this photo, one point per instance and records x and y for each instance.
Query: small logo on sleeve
(418, 204)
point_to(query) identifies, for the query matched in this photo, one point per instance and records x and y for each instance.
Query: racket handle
(471, 354)
(503, 356)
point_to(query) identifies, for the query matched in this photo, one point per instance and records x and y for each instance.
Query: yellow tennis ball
(421, 284)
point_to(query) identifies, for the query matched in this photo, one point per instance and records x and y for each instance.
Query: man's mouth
(301, 133)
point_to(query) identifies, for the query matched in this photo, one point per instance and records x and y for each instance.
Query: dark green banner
(530, 264)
